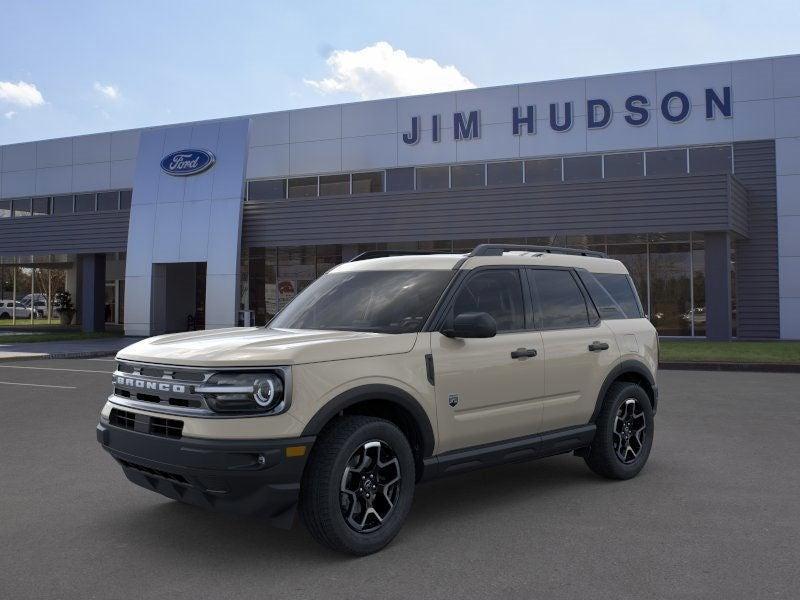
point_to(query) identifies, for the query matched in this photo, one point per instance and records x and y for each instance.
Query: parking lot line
(63, 387)
(54, 369)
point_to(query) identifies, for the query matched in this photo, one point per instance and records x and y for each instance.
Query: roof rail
(385, 253)
(498, 249)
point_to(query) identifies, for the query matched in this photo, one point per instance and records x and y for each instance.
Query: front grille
(162, 386)
(157, 472)
(122, 418)
(171, 428)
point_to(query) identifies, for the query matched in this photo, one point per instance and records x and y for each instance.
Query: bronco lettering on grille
(131, 382)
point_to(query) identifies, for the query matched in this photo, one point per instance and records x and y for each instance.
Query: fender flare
(626, 366)
(375, 391)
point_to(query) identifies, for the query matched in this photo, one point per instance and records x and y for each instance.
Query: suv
(386, 371)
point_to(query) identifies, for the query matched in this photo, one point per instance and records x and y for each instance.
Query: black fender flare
(376, 391)
(626, 366)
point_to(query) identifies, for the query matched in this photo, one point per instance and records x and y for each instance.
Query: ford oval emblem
(187, 162)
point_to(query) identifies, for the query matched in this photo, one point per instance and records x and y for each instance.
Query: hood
(257, 346)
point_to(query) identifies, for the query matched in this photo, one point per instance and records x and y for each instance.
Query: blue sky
(69, 68)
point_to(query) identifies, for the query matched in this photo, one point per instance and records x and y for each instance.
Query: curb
(725, 366)
(59, 355)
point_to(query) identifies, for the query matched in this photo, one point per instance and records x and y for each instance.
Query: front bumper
(247, 477)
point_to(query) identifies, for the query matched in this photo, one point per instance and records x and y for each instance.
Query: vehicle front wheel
(358, 485)
(624, 434)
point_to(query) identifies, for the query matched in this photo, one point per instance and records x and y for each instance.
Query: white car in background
(12, 308)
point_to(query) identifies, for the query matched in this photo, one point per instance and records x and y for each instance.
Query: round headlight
(268, 391)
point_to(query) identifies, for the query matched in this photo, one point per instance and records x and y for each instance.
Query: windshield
(377, 301)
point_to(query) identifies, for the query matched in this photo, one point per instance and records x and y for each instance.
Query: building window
(5, 209)
(107, 201)
(629, 164)
(547, 170)
(303, 187)
(62, 205)
(666, 162)
(125, 199)
(84, 203)
(41, 206)
(22, 207)
(433, 178)
(367, 183)
(713, 159)
(271, 189)
(580, 168)
(400, 180)
(334, 185)
(504, 173)
(468, 175)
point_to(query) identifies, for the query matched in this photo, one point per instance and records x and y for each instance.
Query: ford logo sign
(187, 162)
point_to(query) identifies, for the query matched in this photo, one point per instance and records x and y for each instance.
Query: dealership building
(688, 175)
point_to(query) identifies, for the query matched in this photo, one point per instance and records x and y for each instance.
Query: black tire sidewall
(362, 543)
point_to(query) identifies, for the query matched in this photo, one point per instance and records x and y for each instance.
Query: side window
(497, 292)
(621, 289)
(560, 301)
(603, 301)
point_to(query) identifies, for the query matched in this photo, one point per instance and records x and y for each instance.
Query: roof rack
(385, 253)
(498, 249)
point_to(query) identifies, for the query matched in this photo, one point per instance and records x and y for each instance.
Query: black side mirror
(472, 325)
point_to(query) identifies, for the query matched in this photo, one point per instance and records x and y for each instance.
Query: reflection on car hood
(257, 346)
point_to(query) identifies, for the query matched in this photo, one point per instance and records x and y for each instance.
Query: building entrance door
(178, 297)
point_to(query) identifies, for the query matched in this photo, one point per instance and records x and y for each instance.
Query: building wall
(88, 163)
(187, 219)
(787, 154)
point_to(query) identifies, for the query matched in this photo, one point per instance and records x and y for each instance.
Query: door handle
(597, 346)
(523, 353)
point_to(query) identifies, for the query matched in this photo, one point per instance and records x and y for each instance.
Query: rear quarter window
(621, 289)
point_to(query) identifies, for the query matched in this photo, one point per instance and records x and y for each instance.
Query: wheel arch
(633, 371)
(384, 401)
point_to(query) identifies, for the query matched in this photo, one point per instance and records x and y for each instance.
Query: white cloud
(20, 93)
(109, 91)
(10, 114)
(379, 71)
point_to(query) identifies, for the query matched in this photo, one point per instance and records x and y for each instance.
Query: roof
(449, 261)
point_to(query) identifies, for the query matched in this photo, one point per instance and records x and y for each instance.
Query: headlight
(246, 392)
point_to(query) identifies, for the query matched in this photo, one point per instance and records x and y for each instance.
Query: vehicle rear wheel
(358, 486)
(5, 315)
(624, 434)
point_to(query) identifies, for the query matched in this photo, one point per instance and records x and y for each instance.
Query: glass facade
(668, 270)
(46, 290)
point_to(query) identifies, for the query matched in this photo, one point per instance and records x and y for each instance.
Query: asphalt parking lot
(713, 515)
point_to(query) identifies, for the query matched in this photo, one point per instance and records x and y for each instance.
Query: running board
(529, 447)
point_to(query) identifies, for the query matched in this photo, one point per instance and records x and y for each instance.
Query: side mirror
(472, 325)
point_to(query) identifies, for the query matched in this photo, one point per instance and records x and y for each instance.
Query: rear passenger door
(579, 349)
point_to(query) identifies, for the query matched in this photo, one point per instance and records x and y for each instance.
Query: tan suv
(386, 371)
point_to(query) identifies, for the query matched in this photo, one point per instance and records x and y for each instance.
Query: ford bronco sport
(387, 371)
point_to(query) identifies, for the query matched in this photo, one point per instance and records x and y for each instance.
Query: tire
(344, 457)
(5, 315)
(631, 404)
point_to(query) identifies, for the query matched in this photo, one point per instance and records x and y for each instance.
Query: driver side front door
(489, 389)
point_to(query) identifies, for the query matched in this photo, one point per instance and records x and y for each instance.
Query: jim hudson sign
(674, 106)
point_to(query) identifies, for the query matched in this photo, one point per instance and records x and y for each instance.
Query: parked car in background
(14, 308)
(39, 305)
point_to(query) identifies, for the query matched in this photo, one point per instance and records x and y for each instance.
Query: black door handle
(597, 346)
(523, 353)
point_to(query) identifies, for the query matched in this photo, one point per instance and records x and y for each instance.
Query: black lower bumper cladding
(248, 477)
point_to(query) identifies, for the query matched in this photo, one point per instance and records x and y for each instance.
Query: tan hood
(257, 346)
